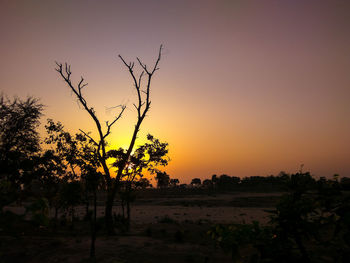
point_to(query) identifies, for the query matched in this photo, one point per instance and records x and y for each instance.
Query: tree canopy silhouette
(19, 145)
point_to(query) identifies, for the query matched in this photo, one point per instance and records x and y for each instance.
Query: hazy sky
(244, 87)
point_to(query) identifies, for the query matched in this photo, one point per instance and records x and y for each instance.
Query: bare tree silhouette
(142, 106)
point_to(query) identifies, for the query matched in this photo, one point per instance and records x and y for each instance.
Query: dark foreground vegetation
(309, 222)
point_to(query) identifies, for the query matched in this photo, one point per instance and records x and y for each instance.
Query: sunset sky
(244, 87)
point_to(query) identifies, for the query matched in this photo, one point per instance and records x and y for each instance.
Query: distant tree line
(225, 182)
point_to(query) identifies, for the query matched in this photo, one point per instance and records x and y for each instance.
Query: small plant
(120, 223)
(232, 237)
(39, 211)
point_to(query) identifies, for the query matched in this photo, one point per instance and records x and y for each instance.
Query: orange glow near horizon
(244, 88)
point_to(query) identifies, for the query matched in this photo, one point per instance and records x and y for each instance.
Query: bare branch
(109, 126)
(140, 78)
(81, 85)
(88, 136)
(136, 84)
(59, 65)
(143, 66)
(81, 81)
(158, 59)
(142, 106)
(101, 145)
(128, 66)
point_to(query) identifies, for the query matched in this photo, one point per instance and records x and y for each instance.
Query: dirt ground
(226, 208)
(161, 245)
(163, 230)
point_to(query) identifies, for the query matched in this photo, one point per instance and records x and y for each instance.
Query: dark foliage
(19, 145)
(311, 223)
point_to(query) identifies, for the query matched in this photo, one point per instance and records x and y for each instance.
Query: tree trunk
(128, 210)
(108, 213)
(128, 214)
(123, 208)
(87, 206)
(93, 229)
(56, 219)
(56, 214)
(72, 217)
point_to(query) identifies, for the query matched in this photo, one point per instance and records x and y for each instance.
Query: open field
(163, 230)
(222, 208)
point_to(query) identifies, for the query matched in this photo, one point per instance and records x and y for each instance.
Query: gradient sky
(244, 87)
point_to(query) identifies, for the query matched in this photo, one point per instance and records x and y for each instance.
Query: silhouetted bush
(310, 224)
(39, 212)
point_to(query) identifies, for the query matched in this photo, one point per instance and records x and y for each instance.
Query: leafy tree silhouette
(142, 183)
(214, 180)
(19, 146)
(147, 157)
(76, 153)
(49, 177)
(73, 152)
(196, 182)
(207, 183)
(70, 196)
(174, 182)
(163, 179)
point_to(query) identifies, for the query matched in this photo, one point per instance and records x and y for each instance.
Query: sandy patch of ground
(217, 209)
